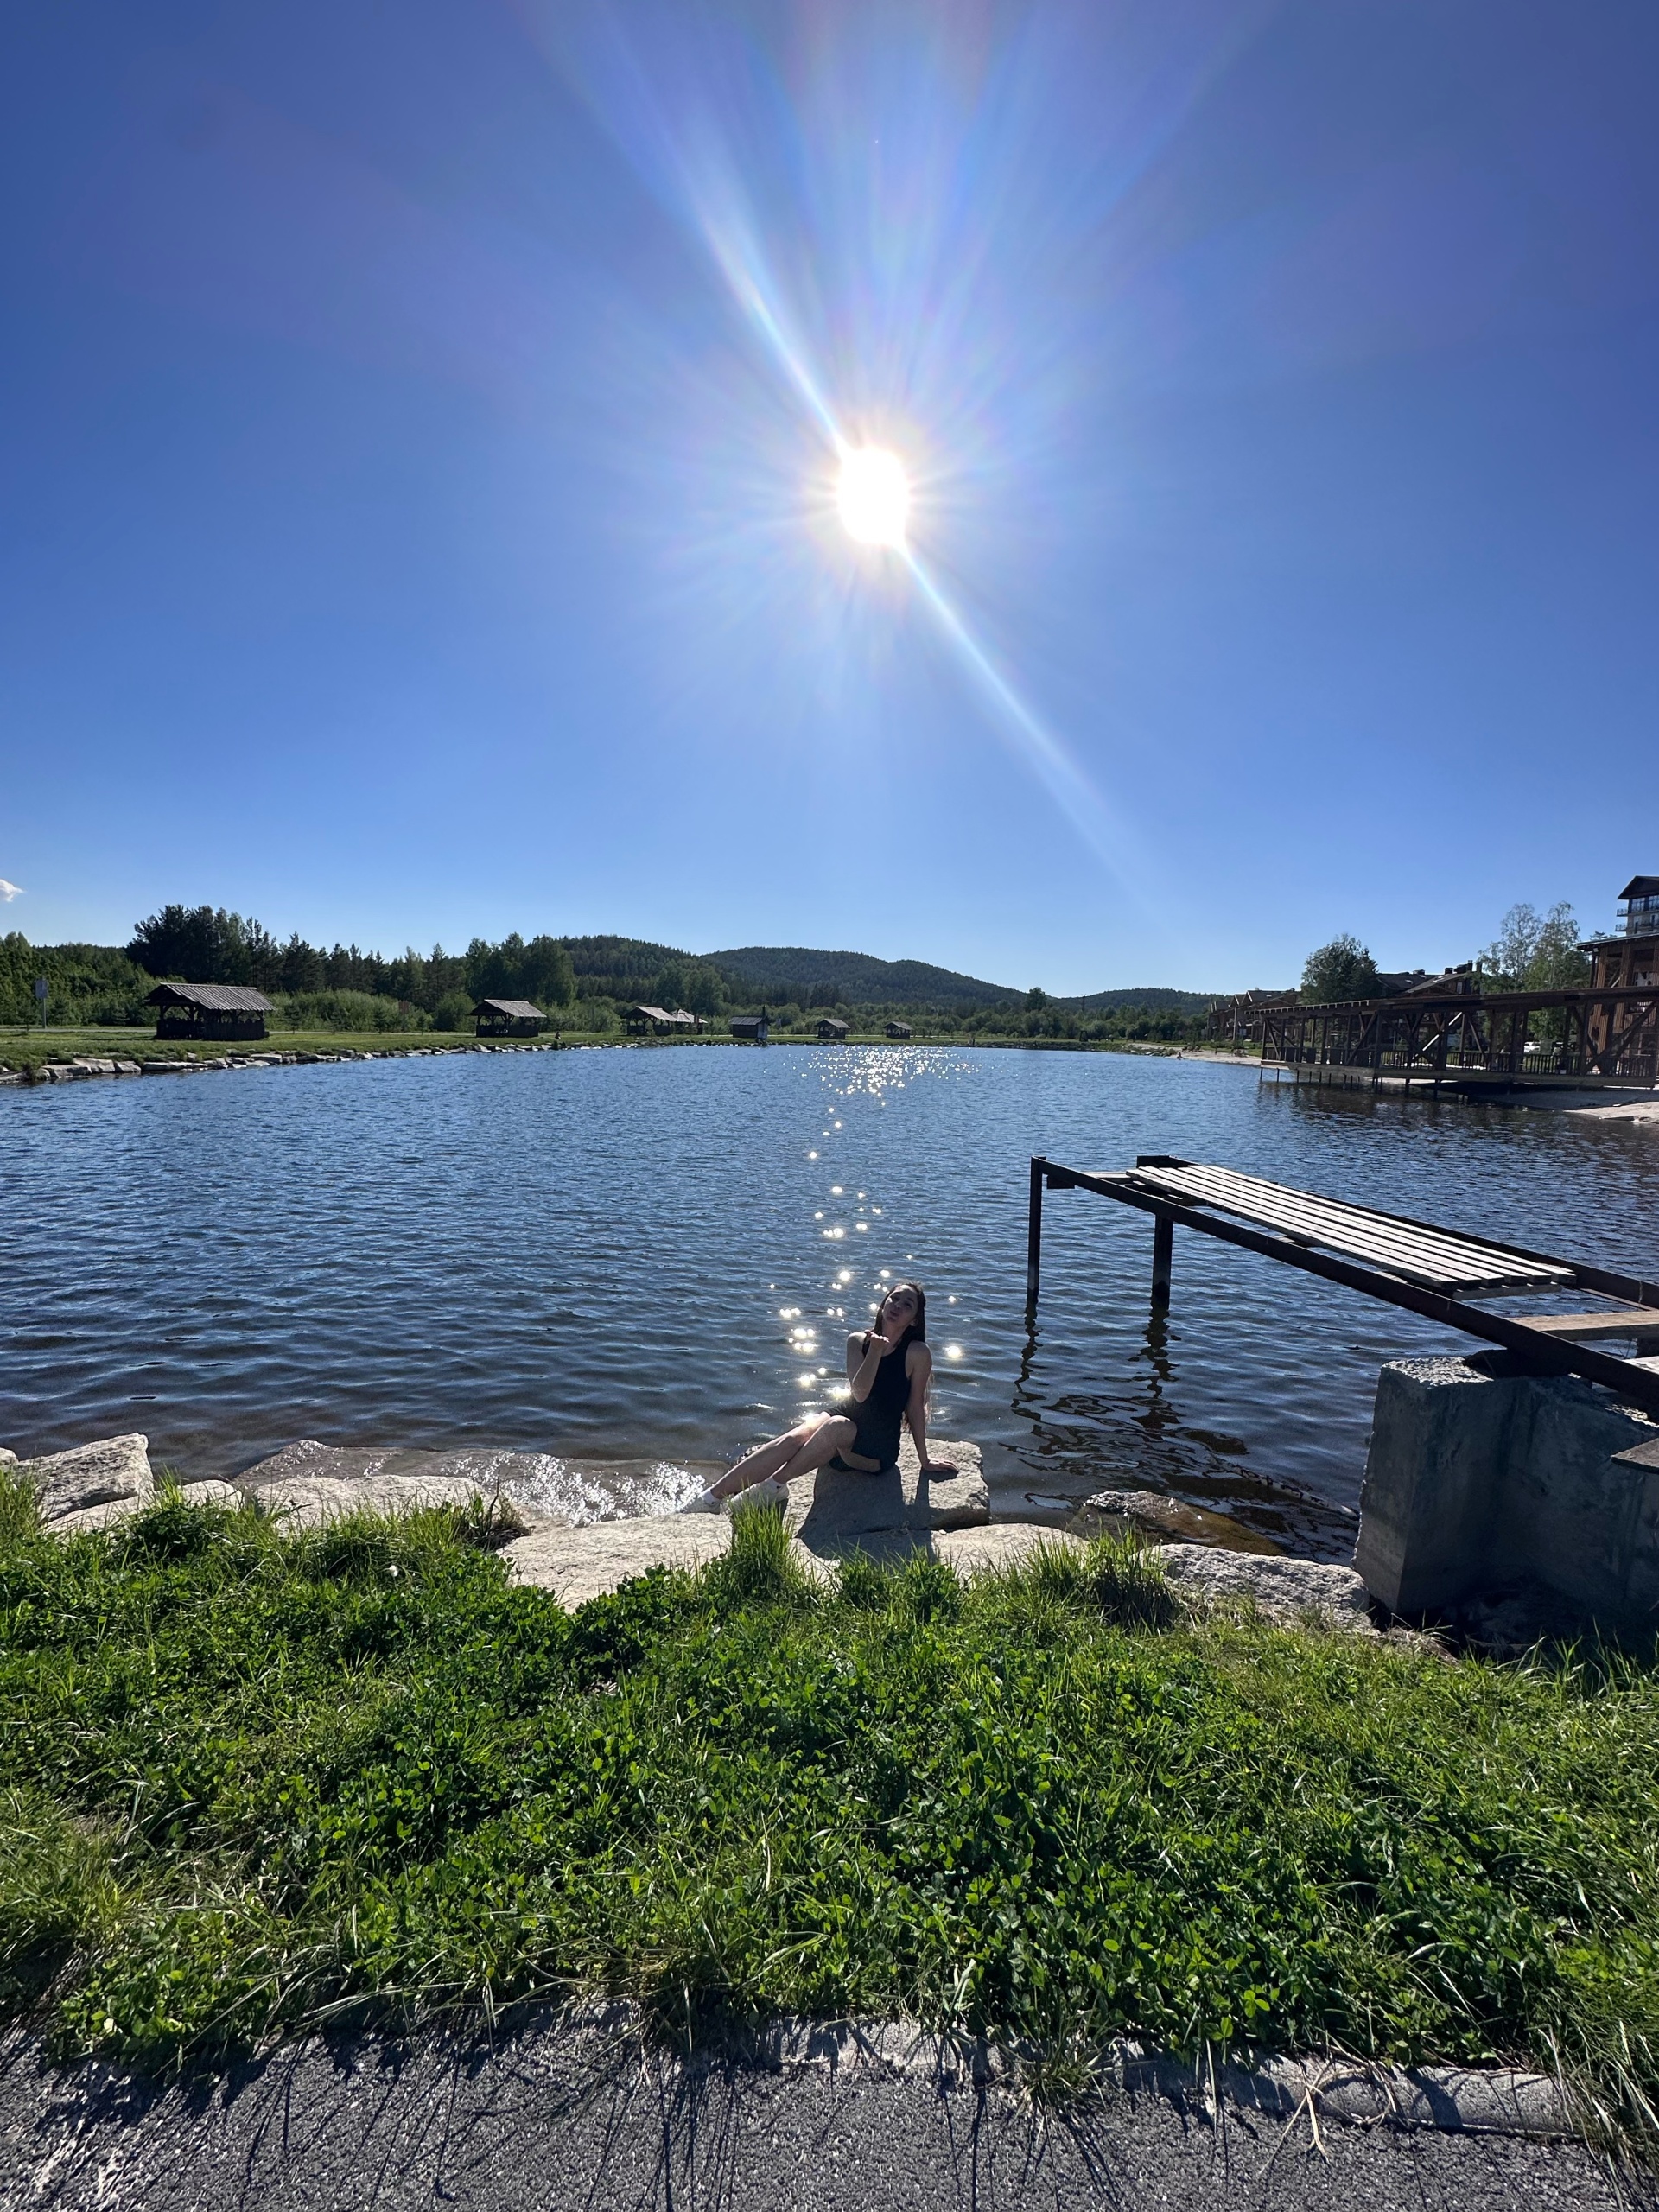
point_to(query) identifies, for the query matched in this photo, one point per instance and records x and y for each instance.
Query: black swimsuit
(881, 1417)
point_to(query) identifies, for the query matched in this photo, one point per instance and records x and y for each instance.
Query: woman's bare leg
(767, 1459)
(830, 1435)
(819, 1439)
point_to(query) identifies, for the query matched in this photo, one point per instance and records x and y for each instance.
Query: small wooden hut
(750, 1028)
(831, 1031)
(645, 1021)
(221, 1011)
(900, 1031)
(508, 1018)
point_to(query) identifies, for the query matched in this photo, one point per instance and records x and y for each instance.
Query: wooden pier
(1464, 1040)
(1429, 1270)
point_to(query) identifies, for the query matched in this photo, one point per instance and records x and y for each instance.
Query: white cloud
(9, 892)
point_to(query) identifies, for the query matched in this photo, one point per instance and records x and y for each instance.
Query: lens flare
(873, 496)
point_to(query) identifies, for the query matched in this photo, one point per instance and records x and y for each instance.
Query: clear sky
(420, 428)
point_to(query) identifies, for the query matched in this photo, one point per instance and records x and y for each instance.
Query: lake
(638, 1262)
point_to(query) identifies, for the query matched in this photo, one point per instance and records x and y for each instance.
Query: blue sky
(417, 451)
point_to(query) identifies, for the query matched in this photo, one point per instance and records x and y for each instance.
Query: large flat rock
(832, 1513)
(1000, 1544)
(115, 1467)
(115, 1510)
(308, 1502)
(577, 1564)
(1280, 1589)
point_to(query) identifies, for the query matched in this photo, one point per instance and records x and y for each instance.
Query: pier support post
(1163, 1257)
(1034, 1234)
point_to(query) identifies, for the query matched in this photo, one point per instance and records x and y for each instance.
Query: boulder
(114, 1510)
(91, 1474)
(307, 1501)
(831, 1513)
(1156, 1514)
(999, 1544)
(110, 1515)
(577, 1564)
(1280, 1589)
(212, 1492)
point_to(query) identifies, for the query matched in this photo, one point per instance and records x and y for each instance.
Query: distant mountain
(1150, 998)
(795, 971)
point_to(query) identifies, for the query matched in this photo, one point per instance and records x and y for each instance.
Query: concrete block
(1481, 1480)
(1577, 1503)
(1440, 1439)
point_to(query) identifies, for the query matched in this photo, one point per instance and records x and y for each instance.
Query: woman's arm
(919, 1362)
(864, 1352)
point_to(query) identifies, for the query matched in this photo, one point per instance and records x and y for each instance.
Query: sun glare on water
(873, 496)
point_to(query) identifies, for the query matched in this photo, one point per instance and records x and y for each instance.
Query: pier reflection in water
(635, 1262)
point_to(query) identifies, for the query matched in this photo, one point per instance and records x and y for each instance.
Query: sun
(873, 496)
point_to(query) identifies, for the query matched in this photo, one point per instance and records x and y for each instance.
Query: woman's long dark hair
(917, 1332)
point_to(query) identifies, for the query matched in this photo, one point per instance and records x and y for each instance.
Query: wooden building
(657, 1020)
(899, 1031)
(832, 1032)
(508, 1018)
(1627, 961)
(222, 1012)
(750, 1028)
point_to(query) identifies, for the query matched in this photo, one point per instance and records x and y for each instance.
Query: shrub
(357, 1010)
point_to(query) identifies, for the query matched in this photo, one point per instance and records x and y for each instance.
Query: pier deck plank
(1435, 1259)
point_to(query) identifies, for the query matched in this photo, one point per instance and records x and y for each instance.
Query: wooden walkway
(1430, 1270)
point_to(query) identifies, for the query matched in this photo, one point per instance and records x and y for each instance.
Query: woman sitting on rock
(888, 1369)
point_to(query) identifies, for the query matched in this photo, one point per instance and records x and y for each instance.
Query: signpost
(40, 995)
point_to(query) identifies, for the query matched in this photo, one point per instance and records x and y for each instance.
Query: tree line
(584, 983)
(1531, 952)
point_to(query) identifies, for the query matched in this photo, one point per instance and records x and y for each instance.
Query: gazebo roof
(212, 998)
(514, 1009)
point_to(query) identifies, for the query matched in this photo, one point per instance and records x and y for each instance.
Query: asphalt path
(555, 2117)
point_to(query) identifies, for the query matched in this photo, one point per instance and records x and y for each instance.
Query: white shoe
(773, 1496)
(704, 1502)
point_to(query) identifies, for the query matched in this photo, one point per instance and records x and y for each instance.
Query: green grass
(259, 1782)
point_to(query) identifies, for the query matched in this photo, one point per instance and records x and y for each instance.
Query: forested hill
(348, 987)
(796, 972)
(1147, 999)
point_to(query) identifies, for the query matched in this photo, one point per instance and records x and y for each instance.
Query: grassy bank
(31, 1048)
(261, 1782)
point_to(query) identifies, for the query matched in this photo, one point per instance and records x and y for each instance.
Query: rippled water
(605, 1257)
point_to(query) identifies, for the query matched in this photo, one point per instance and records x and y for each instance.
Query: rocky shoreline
(83, 1068)
(889, 1518)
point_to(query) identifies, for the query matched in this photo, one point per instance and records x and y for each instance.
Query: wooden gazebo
(508, 1018)
(643, 1020)
(224, 1012)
